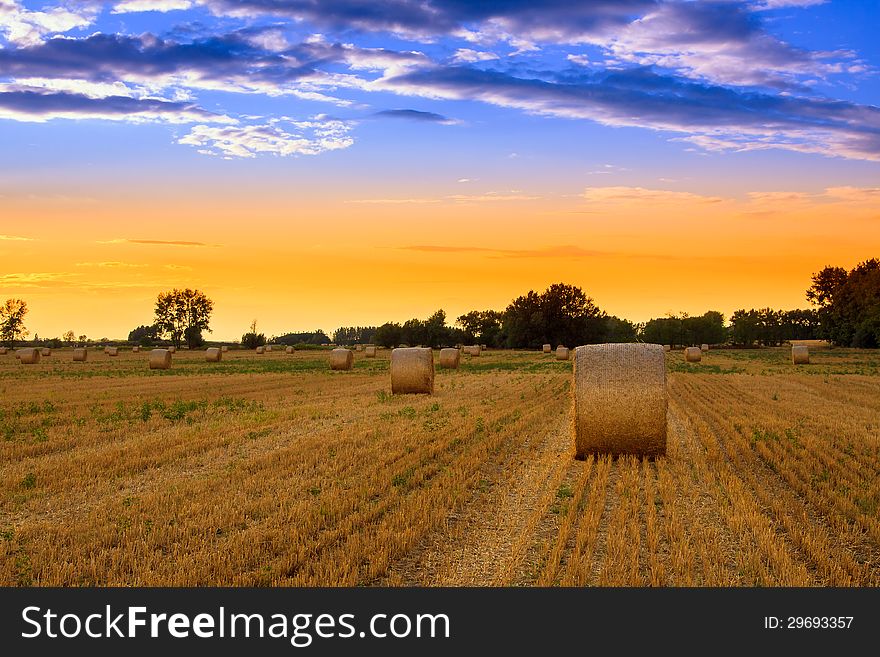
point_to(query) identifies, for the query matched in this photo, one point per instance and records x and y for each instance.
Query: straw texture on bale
(547, 348)
(172, 349)
(693, 354)
(704, 347)
(370, 351)
(474, 350)
(562, 353)
(412, 371)
(800, 355)
(224, 349)
(341, 359)
(450, 358)
(213, 355)
(260, 350)
(28, 356)
(667, 347)
(288, 350)
(45, 351)
(113, 351)
(160, 359)
(135, 350)
(80, 355)
(620, 399)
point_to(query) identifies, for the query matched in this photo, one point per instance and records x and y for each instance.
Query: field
(273, 470)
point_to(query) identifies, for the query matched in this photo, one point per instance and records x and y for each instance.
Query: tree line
(846, 312)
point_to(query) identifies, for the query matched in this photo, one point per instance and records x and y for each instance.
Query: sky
(323, 164)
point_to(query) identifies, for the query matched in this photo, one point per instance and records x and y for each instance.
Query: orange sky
(354, 259)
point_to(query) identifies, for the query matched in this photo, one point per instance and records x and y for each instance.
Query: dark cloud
(413, 115)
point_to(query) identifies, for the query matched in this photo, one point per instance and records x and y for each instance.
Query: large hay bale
(547, 348)
(160, 359)
(562, 353)
(224, 349)
(213, 355)
(29, 355)
(450, 359)
(341, 359)
(261, 350)
(800, 355)
(370, 351)
(80, 355)
(172, 349)
(135, 350)
(693, 354)
(704, 348)
(620, 399)
(45, 351)
(113, 351)
(412, 371)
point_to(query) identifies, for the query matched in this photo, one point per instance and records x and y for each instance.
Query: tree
(309, 337)
(389, 335)
(482, 327)
(849, 304)
(562, 314)
(12, 314)
(69, 337)
(179, 310)
(619, 330)
(143, 335)
(252, 339)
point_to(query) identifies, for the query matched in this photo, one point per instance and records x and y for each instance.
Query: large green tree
(12, 328)
(183, 314)
(562, 314)
(849, 304)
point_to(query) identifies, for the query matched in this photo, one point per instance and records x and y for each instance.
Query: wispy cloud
(134, 6)
(415, 115)
(110, 265)
(156, 242)
(566, 251)
(15, 238)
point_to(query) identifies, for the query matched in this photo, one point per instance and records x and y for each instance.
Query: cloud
(23, 27)
(468, 56)
(158, 242)
(33, 279)
(15, 238)
(307, 138)
(566, 251)
(109, 265)
(393, 201)
(415, 115)
(712, 116)
(163, 6)
(642, 195)
(37, 105)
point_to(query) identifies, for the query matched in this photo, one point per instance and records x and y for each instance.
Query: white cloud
(466, 55)
(15, 238)
(24, 27)
(134, 6)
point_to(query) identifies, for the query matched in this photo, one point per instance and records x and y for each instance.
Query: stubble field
(271, 470)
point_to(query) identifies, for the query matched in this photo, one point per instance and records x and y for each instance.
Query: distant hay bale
(450, 359)
(562, 353)
(341, 359)
(693, 354)
(172, 349)
(3, 351)
(268, 347)
(667, 347)
(484, 347)
(135, 350)
(80, 355)
(106, 350)
(359, 347)
(113, 351)
(547, 348)
(800, 355)
(45, 351)
(213, 355)
(412, 371)
(224, 349)
(261, 350)
(370, 351)
(160, 359)
(288, 350)
(704, 348)
(474, 350)
(620, 399)
(29, 356)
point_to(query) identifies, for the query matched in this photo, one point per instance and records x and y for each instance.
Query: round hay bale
(172, 349)
(213, 355)
(359, 347)
(106, 350)
(370, 351)
(3, 351)
(562, 353)
(693, 355)
(224, 349)
(288, 350)
(412, 371)
(704, 348)
(474, 350)
(268, 347)
(450, 359)
(113, 351)
(45, 351)
(80, 355)
(341, 359)
(29, 356)
(620, 399)
(800, 355)
(135, 350)
(160, 359)
(261, 350)
(547, 348)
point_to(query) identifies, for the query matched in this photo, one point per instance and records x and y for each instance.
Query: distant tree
(389, 335)
(69, 337)
(562, 314)
(619, 330)
(12, 328)
(354, 334)
(482, 327)
(83, 338)
(179, 310)
(849, 304)
(193, 337)
(55, 343)
(145, 336)
(664, 330)
(524, 322)
(306, 338)
(252, 339)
